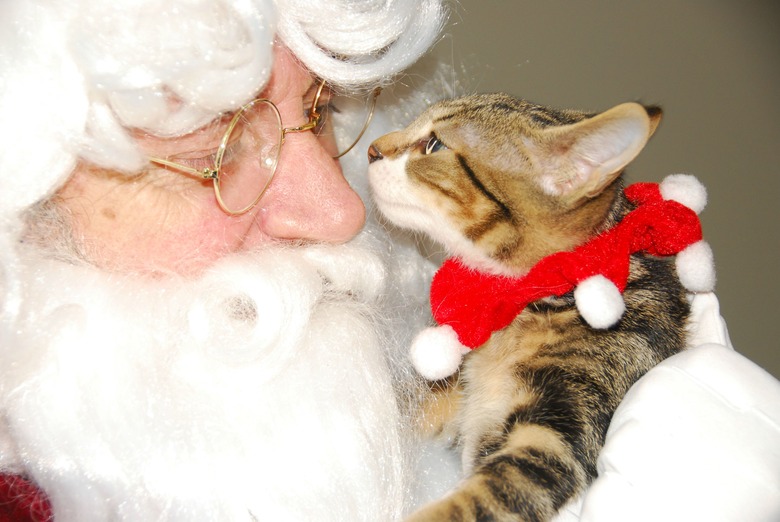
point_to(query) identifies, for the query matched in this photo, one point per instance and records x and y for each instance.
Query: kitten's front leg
(518, 482)
(439, 408)
(443, 510)
(477, 499)
(483, 497)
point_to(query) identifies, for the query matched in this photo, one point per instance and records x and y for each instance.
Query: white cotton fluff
(695, 264)
(436, 352)
(696, 267)
(684, 189)
(599, 301)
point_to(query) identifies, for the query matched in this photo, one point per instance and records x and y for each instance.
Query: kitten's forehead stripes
(541, 115)
(454, 195)
(467, 110)
(545, 116)
(502, 213)
(504, 210)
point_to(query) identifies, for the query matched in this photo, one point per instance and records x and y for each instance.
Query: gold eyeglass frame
(212, 173)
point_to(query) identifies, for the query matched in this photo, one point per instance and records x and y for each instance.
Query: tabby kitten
(502, 183)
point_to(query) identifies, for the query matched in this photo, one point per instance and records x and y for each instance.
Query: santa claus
(204, 345)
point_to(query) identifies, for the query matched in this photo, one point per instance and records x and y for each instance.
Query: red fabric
(22, 501)
(476, 304)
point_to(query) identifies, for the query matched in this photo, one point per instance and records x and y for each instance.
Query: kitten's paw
(440, 511)
(436, 352)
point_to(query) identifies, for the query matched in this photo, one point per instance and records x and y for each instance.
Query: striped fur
(503, 183)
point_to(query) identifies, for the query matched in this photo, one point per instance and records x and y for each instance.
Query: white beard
(259, 390)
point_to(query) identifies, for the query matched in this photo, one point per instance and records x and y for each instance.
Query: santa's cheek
(190, 247)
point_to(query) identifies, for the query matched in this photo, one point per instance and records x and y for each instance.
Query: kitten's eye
(434, 145)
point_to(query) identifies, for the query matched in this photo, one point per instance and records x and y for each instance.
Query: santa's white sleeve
(697, 438)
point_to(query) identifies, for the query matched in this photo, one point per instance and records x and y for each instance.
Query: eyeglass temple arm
(313, 121)
(207, 173)
(314, 115)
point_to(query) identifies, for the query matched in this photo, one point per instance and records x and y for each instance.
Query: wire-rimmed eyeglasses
(243, 164)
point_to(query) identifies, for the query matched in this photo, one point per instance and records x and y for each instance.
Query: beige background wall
(714, 66)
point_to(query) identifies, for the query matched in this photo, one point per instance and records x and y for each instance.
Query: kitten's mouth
(401, 214)
(383, 202)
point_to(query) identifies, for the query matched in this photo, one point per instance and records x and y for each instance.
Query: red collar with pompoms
(476, 304)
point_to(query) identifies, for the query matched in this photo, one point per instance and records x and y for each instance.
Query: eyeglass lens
(250, 150)
(248, 156)
(343, 120)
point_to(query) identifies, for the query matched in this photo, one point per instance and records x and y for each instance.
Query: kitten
(503, 183)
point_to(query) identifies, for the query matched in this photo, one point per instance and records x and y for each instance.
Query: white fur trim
(599, 301)
(685, 189)
(696, 267)
(436, 352)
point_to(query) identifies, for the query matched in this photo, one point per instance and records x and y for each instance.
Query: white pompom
(436, 352)
(685, 189)
(599, 301)
(696, 267)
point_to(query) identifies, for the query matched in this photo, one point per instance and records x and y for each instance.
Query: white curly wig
(76, 74)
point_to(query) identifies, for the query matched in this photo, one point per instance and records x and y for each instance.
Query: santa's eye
(434, 145)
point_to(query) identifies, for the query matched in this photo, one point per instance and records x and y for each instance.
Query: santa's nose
(309, 198)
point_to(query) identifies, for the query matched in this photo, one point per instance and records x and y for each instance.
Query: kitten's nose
(374, 154)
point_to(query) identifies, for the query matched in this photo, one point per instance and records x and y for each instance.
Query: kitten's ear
(582, 159)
